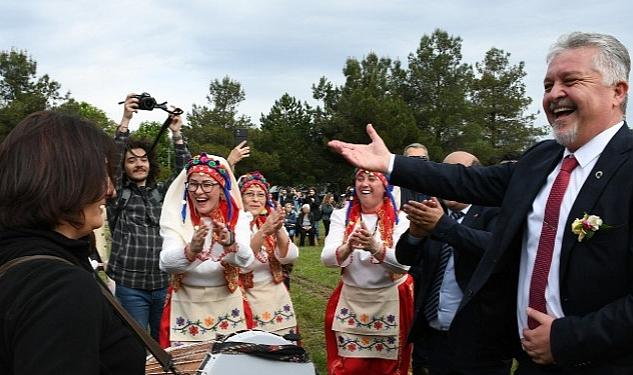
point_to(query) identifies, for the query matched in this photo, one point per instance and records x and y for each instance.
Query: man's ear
(620, 91)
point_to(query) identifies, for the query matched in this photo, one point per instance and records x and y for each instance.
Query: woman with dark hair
(54, 182)
(327, 207)
(369, 314)
(263, 280)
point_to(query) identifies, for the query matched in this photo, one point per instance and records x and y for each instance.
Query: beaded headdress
(255, 178)
(213, 168)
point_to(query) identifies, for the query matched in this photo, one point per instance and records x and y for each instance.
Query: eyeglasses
(254, 195)
(206, 186)
(423, 157)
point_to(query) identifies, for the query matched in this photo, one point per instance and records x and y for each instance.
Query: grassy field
(311, 285)
(310, 288)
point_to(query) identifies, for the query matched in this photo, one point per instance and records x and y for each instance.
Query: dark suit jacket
(410, 195)
(469, 240)
(596, 275)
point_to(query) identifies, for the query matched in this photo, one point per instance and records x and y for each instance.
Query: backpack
(124, 197)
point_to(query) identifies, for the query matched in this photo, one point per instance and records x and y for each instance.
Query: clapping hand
(361, 238)
(423, 216)
(275, 221)
(197, 240)
(224, 234)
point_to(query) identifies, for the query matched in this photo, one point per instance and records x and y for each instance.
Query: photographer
(134, 218)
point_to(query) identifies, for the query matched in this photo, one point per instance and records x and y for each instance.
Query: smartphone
(241, 134)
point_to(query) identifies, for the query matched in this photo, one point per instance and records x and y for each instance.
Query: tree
(88, 112)
(212, 126)
(21, 91)
(498, 122)
(165, 154)
(288, 137)
(368, 96)
(436, 89)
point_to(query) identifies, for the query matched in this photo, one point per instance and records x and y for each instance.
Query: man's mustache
(564, 102)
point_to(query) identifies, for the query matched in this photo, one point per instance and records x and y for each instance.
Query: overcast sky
(101, 50)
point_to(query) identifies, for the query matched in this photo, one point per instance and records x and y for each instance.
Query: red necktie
(548, 235)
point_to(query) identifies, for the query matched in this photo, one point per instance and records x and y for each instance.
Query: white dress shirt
(587, 156)
(450, 293)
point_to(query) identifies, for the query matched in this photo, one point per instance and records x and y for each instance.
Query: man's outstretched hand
(372, 157)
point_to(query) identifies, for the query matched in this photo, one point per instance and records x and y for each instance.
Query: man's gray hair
(612, 61)
(415, 145)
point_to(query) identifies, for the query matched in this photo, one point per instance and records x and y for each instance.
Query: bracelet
(231, 239)
(379, 256)
(232, 248)
(188, 252)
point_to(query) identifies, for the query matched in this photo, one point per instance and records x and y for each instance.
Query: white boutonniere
(587, 226)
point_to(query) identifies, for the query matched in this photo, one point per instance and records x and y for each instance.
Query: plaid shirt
(136, 240)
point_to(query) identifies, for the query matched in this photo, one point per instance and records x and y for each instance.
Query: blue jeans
(145, 306)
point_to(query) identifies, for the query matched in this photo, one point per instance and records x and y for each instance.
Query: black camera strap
(162, 131)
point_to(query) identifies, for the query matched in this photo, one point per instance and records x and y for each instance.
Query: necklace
(373, 232)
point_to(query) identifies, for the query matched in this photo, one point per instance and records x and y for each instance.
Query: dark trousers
(442, 361)
(326, 225)
(306, 233)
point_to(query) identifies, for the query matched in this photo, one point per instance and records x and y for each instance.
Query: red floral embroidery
(224, 325)
(193, 330)
(350, 322)
(379, 347)
(378, 325)
(279, 319)
(351, 347)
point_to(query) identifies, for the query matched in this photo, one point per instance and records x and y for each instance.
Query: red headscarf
(387, 213)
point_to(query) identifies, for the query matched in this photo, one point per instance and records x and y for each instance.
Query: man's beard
(566, 137)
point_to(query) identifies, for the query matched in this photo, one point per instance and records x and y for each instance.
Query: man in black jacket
(555, 283)
(444, 248)
(418, 151)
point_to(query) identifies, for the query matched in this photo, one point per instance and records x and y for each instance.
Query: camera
(146, 102)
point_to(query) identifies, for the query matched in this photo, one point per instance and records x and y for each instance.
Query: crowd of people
(446, 268)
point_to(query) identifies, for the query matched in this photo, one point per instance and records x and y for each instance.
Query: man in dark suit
(414, 150)
(444, 248)
(555, 283)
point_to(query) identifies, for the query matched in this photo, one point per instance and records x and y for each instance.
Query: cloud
(100, 51)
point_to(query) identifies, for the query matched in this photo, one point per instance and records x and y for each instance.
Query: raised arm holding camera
(134, 216)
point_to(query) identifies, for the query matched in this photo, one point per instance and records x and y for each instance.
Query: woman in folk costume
(369, 314)
(267, 295)
(205, 242)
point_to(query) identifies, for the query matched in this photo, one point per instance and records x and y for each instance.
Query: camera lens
(147, 103)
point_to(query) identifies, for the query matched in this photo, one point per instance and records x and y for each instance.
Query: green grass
(309, 266)
(310, 286)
